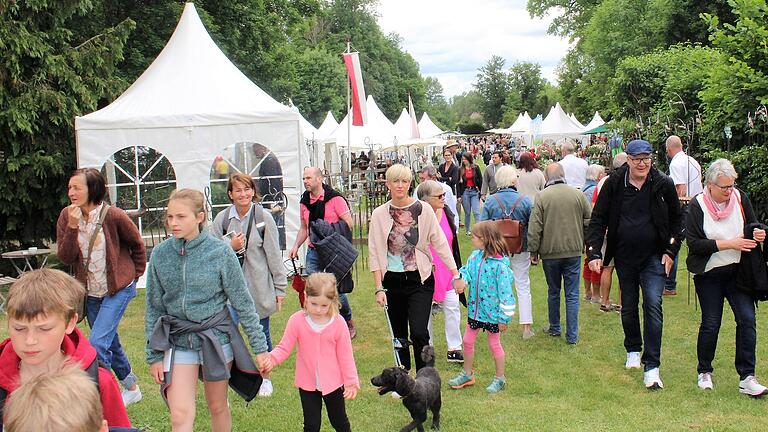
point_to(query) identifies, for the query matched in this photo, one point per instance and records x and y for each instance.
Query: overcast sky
(452, 39)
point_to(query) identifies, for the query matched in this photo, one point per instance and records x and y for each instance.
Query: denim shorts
(196, 357)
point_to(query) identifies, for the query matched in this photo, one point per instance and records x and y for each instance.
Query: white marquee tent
(595, 122)
(378, 133)
(559, 124)
(328, 127)
(427, 128)
(190, 110)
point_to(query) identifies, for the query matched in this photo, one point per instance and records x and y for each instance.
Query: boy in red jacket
(42, 324)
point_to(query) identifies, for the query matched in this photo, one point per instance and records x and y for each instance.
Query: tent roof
(329, 125)
(595, 122)
(190, 83)
(575, 121)
(379, 132)
(403, 126)
(557, 122)
(521, 125)
(427, 128)
(596, 130)
(307, 129)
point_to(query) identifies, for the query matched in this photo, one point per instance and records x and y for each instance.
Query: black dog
(418, 394)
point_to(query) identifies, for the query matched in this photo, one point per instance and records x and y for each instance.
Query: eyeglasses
(646, 160)
(441, 196)
(725, 188)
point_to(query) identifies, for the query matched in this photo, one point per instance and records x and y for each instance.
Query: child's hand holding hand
(264, 361)
(459, 285)
(156, 371)
(503, 327)
(350, 392)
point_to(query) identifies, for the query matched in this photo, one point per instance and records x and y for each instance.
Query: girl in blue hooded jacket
(490, 302)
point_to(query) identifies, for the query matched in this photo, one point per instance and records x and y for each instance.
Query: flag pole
(349, 126)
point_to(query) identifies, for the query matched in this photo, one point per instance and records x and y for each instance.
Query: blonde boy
(45, 402)
(42, 324)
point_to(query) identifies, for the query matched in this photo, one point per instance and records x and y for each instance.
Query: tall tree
(49, 73)
(526, 81)
(493, 86)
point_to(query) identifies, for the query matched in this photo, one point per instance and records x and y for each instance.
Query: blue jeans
(470, 202)
(670, 283)
(263, 321)
(712, 289)
(647, 275)
(313, 266)
(104, 315)
(565, 270)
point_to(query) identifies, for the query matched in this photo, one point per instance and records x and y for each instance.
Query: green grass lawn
(551, 386)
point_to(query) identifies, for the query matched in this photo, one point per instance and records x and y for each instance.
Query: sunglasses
(441, 196)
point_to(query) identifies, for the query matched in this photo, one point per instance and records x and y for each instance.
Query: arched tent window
(262, 165)
(139, 180)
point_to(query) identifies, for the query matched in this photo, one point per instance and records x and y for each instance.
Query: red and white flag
(359, 112)
(414, 122)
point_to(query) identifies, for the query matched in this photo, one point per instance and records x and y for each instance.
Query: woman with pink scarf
(717, 237)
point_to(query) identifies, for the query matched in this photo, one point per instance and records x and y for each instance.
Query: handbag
(82, 308)
(511, 230)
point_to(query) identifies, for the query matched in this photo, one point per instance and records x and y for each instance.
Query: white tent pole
(349, 126)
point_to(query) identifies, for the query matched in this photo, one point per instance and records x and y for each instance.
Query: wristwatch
(457, 277)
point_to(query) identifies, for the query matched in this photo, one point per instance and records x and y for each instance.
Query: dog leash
(395, 343)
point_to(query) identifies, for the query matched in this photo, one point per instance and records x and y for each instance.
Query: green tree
(571, 15)
(49, 73)
(525, 81)
(493, 86)
(437, 106)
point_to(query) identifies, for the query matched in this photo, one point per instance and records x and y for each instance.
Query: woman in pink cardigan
(325, 366)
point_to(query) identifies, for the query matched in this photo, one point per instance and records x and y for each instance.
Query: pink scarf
(712, 208)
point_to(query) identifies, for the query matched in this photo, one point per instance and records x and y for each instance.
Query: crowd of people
(205, 283)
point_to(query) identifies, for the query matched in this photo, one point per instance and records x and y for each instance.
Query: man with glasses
(639, 207)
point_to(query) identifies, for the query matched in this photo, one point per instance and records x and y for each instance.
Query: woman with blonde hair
(401, 231)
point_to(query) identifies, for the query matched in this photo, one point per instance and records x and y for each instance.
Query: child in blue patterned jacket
(490, 302)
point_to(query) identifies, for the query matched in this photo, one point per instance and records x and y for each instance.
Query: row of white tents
(328, 144)
(556, 125)
(193, 108)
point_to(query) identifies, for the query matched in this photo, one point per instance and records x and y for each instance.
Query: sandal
(606, 308)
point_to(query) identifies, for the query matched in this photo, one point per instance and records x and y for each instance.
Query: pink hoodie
(325, 357)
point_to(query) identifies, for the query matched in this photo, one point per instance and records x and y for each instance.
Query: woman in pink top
(325, 366)
(432, 193)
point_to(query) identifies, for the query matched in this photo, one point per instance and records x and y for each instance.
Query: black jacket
(333, 244)
(449, 176)
(665, 213)
(752, 275)
(477, 178)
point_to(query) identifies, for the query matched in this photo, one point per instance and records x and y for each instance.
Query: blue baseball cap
(636, 147)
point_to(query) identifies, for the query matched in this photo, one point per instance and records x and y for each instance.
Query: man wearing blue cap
(639, 208)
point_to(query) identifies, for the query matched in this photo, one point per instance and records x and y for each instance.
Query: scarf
(712, 208)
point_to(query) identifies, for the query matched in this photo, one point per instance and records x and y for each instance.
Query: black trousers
(409, 303)
(312, 405)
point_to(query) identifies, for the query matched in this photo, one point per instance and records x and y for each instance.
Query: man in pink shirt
(321, 201)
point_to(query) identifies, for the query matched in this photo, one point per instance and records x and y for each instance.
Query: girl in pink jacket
(325, 365)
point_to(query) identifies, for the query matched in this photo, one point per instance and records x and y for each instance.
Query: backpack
(511, 230)
(92, 370)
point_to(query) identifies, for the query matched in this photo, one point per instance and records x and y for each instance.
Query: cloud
(452, 39)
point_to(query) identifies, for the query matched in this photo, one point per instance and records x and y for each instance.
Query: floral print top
(402, 239)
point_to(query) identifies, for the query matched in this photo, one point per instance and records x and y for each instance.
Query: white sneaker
(750, 386)
(705, 381)
(633, 360)
(131, 396)
(652, 380)
(266, 388)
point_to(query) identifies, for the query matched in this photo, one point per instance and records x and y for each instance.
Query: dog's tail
(428, 355)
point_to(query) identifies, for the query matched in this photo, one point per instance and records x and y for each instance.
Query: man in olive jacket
(556, 234)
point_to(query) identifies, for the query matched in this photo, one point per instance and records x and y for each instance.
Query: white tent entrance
(192, 119)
